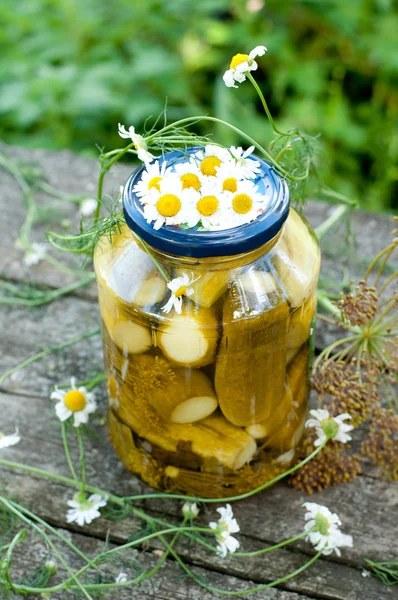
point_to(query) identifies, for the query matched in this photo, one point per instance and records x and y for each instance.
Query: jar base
(217, 483)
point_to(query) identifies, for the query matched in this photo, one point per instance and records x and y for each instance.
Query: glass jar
(210, 402)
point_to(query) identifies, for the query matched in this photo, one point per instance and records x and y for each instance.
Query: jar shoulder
(287, 273)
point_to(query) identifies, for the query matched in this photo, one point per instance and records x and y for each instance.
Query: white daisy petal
(9, 440)
(258, 51)
(228, 78)
(246, 167)
(138, 141)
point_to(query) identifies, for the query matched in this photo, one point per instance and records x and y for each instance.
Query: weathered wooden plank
(28, 330)
(167, 584)
(322, 580)
(69, 174)
(366, 506)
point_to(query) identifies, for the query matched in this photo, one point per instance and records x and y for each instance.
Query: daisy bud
(190, 510)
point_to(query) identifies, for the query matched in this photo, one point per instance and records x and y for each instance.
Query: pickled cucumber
(151, 291)
(209, 287)
(261, 430)
(189, 339)
(258, 282)
(212, 438)
(250, 366)
(128, 336)
(129, 267)
(289, 433)
(188, 398)
(217, 438)
(299, 326)
(296, 257)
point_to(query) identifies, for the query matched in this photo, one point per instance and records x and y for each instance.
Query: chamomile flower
(35, 254)
(179, 287)
(138, 141)
(84, 510)
(77, 402)
(323, 529)
(227, 176)
(9, 440)
(329, 427)
(164, 205)
(212, 157)
(225, 525)
(242, 64)
(246, 204)
(246, 167)
(150, 179)
(210, 208)
(189, 174)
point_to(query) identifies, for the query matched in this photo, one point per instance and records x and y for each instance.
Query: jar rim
(205, 244)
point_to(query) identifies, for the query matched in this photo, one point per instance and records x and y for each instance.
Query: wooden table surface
(367, 507)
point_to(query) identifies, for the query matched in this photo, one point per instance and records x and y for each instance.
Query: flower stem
(56, 533)
(67, 452)
(104, 168)
(265, 105)
(275, 547)
(43, 353)
(45, 298)
(241, 592)
(22, 517)
(82, 460)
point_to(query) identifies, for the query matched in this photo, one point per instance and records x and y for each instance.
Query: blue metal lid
(201, 244)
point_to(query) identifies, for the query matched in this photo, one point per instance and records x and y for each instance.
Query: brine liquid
(220, 429)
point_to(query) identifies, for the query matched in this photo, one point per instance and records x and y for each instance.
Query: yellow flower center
(154, 183)
(207, 205)
(242, 204)
(238, 59)
(112, 387)
(168, 205)
(229, 184)
(181, 290)
(209, 164)
(190, 180)
(75, 400)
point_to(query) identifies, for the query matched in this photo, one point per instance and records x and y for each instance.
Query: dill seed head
(333, 465)
(358, 306)
(382, 445)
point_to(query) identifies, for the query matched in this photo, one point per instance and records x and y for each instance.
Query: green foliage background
(71, 70)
